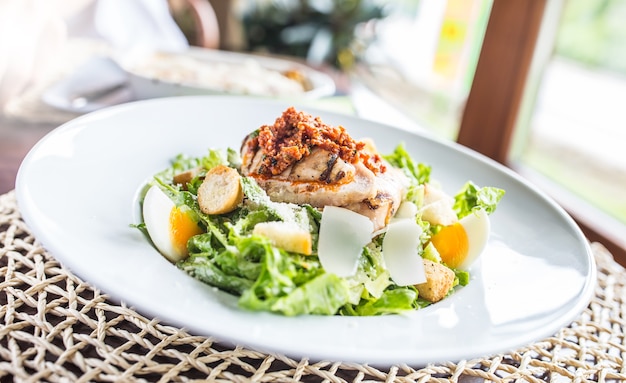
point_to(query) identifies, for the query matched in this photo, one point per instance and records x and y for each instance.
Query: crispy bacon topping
(293, 136)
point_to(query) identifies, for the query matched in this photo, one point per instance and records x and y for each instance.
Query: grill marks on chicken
(390, 187)
(300, 159)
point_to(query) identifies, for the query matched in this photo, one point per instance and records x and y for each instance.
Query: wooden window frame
(492, 110)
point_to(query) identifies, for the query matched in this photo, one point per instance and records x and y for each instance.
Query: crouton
(439, 213)
(221, 191)
(287, 236)
(438, 207)
(439, 280)
(183, 178)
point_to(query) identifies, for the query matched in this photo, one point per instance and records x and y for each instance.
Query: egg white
(157, 208)
(477, 227)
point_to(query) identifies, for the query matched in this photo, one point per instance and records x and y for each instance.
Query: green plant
(320, 31)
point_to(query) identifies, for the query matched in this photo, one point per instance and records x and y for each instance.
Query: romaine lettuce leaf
(206, 270)
(472, 197)
(418, 173)
(322, 295)
(392, 301)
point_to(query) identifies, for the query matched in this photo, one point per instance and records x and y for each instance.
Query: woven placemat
(55, 327)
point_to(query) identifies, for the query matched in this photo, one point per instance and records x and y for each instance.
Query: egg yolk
(452, 244)
(182, 227)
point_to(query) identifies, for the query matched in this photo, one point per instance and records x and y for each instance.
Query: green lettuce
(418, 173)
(472, 197)
(266, 278)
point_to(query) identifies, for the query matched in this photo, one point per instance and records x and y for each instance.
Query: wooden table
(16, 139)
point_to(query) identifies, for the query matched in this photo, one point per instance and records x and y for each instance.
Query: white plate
(106, 81)
(78, 191)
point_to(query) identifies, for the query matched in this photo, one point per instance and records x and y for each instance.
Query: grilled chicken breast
(389, 187)
(301, 160)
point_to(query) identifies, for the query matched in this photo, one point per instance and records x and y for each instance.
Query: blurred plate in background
(106, 81)
(204, 71)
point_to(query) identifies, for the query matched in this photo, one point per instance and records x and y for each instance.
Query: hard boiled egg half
(168, 225)
(462, 242)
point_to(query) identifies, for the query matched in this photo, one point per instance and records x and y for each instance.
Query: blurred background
(416, 62)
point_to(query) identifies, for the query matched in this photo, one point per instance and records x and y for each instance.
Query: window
(576, 129)
(530, 130)
(537, 91)
(423, 58)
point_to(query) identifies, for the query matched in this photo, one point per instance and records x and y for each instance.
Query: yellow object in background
(459, 40)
